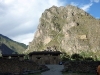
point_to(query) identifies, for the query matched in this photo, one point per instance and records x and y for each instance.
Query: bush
(65, 57)
(89, 59)
(76, 57)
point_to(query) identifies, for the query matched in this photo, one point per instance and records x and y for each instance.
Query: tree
(65, 57)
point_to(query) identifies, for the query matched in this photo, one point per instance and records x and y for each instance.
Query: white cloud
(96, 1)
(8, 1)
(25, 38)
(86, 7)
(74, 4)
(19, 18)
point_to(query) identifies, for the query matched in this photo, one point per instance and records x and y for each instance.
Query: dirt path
(54, 70)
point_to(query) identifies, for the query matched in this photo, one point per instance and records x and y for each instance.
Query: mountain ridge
(12, 46)
(5, 50)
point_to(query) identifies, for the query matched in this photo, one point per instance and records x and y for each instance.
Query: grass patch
(78, 73)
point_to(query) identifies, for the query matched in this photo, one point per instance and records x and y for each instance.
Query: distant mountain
(68, 29)
(5, 50)
(9, 46)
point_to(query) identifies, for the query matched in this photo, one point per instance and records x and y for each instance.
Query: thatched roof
(45, 53)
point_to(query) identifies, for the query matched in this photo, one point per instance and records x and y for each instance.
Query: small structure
(13, 56)
(45, 57)
(21, 57)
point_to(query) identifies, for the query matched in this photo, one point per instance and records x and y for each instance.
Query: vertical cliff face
(69, 29)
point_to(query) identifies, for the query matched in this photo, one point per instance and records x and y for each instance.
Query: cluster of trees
(75, 56)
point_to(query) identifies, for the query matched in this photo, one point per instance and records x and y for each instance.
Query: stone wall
(81, 66)
(45, 59)
(16, 66)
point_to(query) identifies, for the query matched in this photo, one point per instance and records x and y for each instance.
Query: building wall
(21, 58)
(45, 59)
(17, 58)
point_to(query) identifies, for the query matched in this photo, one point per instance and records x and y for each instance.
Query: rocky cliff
(67, 29)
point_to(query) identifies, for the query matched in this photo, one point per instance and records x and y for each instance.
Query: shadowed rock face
(68, 28)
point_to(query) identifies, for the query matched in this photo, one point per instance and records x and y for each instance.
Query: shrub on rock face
(76, 57)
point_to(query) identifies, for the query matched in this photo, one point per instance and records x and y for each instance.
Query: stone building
(45, 57)
(13, 56)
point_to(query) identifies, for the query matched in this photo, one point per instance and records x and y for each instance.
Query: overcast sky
(19, 18)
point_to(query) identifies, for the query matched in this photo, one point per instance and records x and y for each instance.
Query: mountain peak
(69, 28)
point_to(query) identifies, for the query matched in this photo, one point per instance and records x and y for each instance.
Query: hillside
(5, 50)
(69, 29)
(9, 46)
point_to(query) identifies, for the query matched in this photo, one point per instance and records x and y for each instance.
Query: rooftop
(13, 55)
(45, 52)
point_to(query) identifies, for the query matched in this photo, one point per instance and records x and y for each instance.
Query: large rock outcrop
(69, 29)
